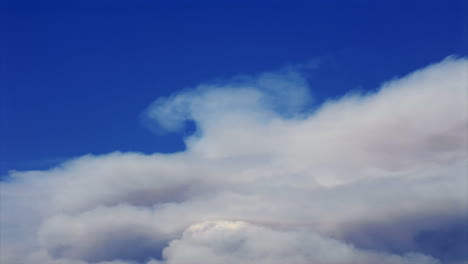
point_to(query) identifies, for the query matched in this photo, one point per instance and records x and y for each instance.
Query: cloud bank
(366, 178)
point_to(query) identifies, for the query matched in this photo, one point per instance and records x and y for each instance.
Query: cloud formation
(367, 178)
(240, 242)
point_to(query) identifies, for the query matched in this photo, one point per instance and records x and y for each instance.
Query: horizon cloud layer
(366, 178)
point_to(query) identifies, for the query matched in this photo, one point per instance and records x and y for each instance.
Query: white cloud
(240, 242)
(357, 181)
(262, 97)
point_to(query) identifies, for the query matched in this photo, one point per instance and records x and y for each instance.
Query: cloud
(262, 97)
(240, 242)
(367, 178)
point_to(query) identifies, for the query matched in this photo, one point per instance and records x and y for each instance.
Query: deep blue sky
(76, 75)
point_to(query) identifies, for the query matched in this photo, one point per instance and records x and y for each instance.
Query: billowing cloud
(367, 178)
(240, 242)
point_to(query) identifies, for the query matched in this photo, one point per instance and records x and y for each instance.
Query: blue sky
(175, 132)
(78, 74)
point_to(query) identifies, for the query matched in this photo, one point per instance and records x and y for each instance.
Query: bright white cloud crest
(363, 179)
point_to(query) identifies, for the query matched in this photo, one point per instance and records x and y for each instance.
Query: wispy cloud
(372, 178)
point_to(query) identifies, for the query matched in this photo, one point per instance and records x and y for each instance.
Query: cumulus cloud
(367, 178)
(240, 242)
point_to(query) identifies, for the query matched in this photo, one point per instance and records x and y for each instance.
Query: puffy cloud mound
(240, 242)
(372, 178)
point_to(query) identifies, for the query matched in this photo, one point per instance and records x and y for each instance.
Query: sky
(154, 132)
